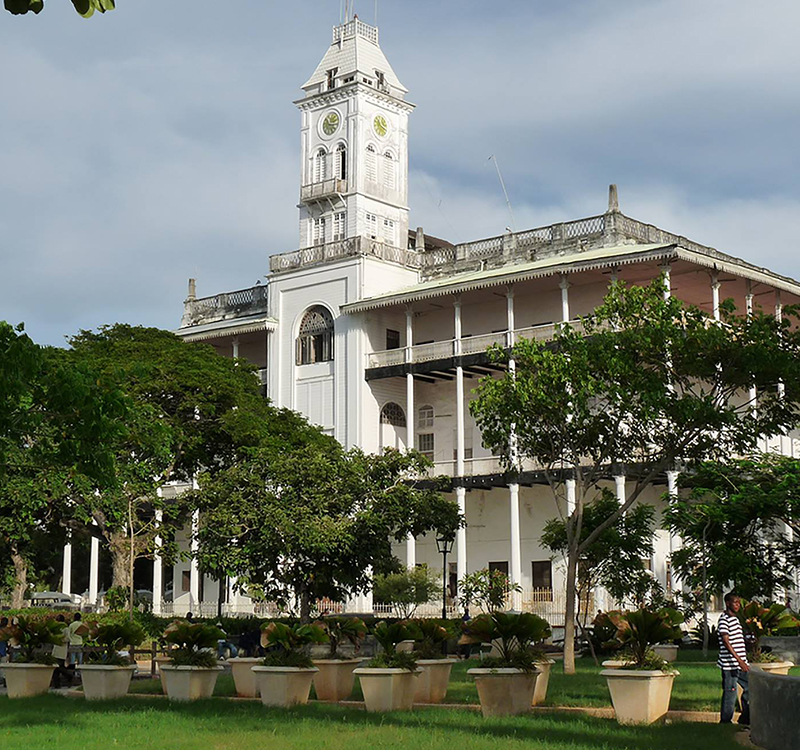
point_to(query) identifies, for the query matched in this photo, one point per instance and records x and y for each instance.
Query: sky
(159, 141)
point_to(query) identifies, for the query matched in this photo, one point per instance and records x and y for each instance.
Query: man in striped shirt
(733, 661)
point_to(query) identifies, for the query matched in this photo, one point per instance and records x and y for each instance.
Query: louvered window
(315, 338)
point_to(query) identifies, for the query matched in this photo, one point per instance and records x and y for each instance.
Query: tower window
(393, 414)
(315, 338)
(372, 226)
(341, 161)
(338, 227)
(332, 78)
(372, 164)
(319, 231)
(381, 78)
(425, 445)
(320, 166)
(392, 339)
(388, 232)
(388, 170)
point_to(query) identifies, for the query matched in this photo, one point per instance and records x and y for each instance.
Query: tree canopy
(740, 525)
(645, 382)
(312, 523)
(85, 8)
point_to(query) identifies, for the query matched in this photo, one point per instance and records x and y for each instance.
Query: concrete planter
(542, 681)
(284, 686)
(243, 676)
(27, 680)
(103, 682)
(613, 663)
(639, 696)
(335, 679)
(388, 689)
(772, 667)
(160, 662)
(667, 651)
(785, 648)
(189, 683)
(504, 691)
(405, 647)
(432, 683)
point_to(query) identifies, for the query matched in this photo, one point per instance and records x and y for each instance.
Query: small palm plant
(516, 636)
(113, 637)
(434, 636)
(290, 644)
(341, 629)
(759, 621)
(31, 635)
(639, 631)
(388, 637)
(194, 643)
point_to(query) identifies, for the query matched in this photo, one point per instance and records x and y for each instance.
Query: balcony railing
(469, 345)
(322, 190)
(226, 305)
(349, 248)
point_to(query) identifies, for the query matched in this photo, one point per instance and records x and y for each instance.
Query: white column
(715, 285)
(235, 347)
(564, 299)
(619, 488)
(511, 324)
(675, 542)
(411, 542)
(666, 269)
(748, 301)
(516, 542)
(232, 595)
(94, 569)
(571, 489)
(781, 386)
(194, 571)
(461, 493)
(158, 568)
(66, 570)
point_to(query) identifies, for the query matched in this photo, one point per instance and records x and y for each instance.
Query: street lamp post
(445, 546)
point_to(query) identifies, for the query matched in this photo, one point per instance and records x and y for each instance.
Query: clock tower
(354, 144)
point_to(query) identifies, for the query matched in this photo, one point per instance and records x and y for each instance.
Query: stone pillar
(571, 490)
(158, 568)
(411, 543)
(564, 299)
(675, 542)
(461, 493)
(194, 571)
(619, 488)
(66, 570)
(94, 569)
(516, 543)
(666, 269)
(235, 347)
(715, 285)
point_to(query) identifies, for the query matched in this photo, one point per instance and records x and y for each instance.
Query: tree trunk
(569, 609)
(305, 607)
(119, 546)
(20, 579)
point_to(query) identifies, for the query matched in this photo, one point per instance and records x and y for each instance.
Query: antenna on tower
(505, 192)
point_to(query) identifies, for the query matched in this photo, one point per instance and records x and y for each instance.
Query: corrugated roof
(230, 327)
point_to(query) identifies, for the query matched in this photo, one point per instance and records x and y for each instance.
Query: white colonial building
(379, 335)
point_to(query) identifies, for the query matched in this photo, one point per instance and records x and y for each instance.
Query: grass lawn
(697, 688)
(140, 724)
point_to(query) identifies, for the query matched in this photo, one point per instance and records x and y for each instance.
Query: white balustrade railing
(481, 342)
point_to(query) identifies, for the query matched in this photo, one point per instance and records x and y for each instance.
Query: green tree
(614, 559)
(740, 525)
(487, 589)
(310, 523)
(645, 382)
(56, 419)
(189, 409)
(85, 8)
(407, 589)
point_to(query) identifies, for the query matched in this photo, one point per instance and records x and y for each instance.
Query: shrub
(638, 631)
(758, 621)
(388, 636)
(113, 637)
(31, 634)
(193, 642)
(291, 644)
(516, 636)
(434, 635)
(340, 629)
(488, 589)
(407, 589)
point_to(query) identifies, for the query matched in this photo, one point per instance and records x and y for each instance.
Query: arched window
(425, 417)
(341, 162)
(372, 164)
(393, 414)
(388, 171)
(320, 165)
(315, 338)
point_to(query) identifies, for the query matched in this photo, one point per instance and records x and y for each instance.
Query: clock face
(380, 125)
(331, 123)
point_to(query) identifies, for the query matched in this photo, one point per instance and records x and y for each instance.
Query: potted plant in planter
(431, 653)
(31, 670)
(389, 681)
(335, 678)
(641, 688)
(758, 622)
(108, 675)
(284, 676)
(192, 671)
(506, 682)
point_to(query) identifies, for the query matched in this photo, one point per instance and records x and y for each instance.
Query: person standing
(733, 661)
(75, 633)
(60, 655)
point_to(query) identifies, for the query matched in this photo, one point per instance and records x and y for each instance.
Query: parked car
(56, 600)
